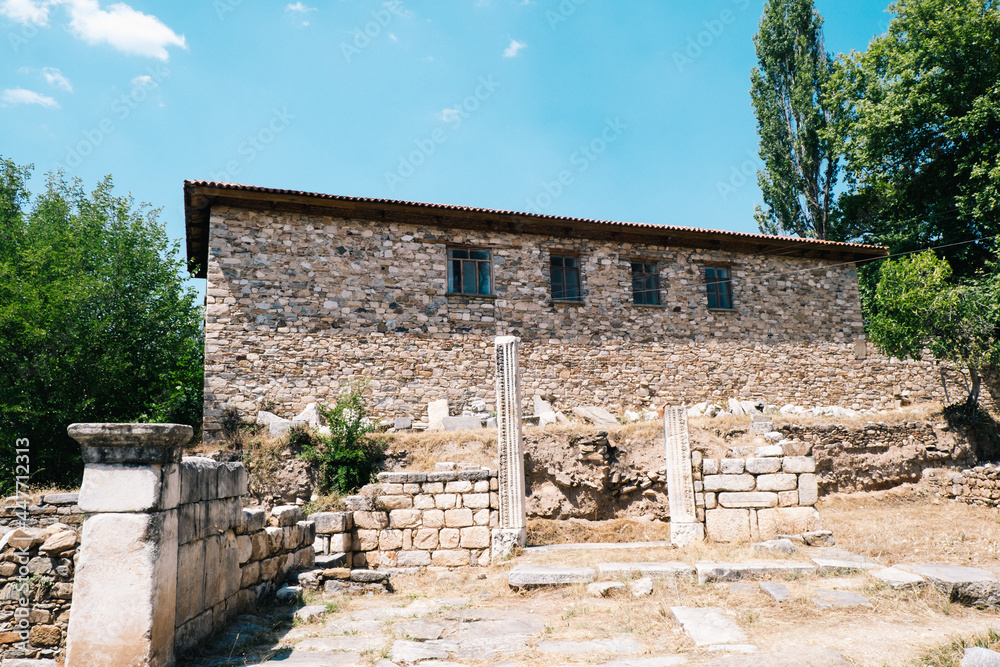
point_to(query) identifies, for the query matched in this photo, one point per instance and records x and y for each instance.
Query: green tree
(95, 321)
(919, 306)
(794, 118)
(921, 117)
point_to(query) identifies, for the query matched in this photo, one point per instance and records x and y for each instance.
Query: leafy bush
(351, 454)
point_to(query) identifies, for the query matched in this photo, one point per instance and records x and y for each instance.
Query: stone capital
(131, 443)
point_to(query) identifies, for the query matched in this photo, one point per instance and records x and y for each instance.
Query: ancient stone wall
(759, 497)
(296, 304)
(229, 557)
(975, 486)
(36, 573)
(879, 455)
(413, 519)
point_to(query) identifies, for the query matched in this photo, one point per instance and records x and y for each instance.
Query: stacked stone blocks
(229, 557)
(416, 520)
(758, 497)
(975, 486)
(39, 549)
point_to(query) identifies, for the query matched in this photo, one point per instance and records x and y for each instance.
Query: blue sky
(634, 111)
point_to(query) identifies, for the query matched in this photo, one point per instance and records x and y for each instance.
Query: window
(645, 283)
(565, 273)
(720, 287)
(469, 271)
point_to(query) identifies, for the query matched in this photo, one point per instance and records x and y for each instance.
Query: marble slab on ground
(968, 585)
(536, 576)
(977, 656)
(656, 661)
(404, 650)
(499, 628)
(709, 572)
(777, 592)
(422, 630)
(359, 643)
(617, 645)
(668, 569)
(708, 625)
(826, 599)
(806, 656)
(898, 579)
(312, 659)
(838, 560)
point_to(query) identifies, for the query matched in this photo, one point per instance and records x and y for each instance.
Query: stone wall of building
(296, 304)
(40, 538)
(411, 519)
(229, 557)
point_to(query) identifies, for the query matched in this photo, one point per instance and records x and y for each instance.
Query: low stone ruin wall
(880, 455)
(41, 534)
(975, 486)
(758, 497)
(229, 557)
(411, 519)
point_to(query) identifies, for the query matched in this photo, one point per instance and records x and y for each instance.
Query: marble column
(684, 525)
(512, 532)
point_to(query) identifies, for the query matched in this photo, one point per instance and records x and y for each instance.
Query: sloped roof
(200, 196)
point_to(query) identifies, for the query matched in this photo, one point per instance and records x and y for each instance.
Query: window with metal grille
(565, 273)
(469, 271)
(719, 286)
(645, 283)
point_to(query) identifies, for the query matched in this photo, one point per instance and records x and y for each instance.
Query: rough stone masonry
(306, 290)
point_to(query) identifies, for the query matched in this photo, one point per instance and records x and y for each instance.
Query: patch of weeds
(349, 457)
(334, 607)
(950, 654)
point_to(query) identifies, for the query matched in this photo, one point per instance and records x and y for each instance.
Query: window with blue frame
(718, 282)
(645, 283)
(565, 276)
(470, 271)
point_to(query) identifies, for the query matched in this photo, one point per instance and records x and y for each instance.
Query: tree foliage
(794, 116)
(95, 322)
(921, 121)
(918, 307)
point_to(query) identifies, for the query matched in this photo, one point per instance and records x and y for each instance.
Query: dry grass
(570, 531)
(906, 525)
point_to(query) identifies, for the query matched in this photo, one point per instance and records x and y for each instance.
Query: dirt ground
(902, 628)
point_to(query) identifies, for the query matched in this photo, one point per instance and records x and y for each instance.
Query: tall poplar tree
(794, 119)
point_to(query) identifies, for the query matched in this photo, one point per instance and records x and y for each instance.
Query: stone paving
(470, 629)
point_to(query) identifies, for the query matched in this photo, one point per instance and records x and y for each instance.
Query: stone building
(307, 290)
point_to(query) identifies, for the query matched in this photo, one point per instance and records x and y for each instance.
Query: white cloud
(26, 11)
(299, 7)
(121, 27)
(56, 78)
(14, 96)
(513, 48)
(143, 81)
